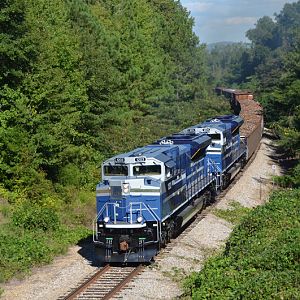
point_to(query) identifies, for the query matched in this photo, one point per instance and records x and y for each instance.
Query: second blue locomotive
(148, 194)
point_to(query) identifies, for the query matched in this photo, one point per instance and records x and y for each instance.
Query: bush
(34, 216)
(290, 180)
(20, 250)
(261, 259)
(70, 175)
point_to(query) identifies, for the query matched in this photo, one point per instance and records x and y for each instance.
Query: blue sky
(228, 20)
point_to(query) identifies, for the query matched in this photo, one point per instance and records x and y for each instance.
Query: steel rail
(87, 283)
(127, 279)
(88, 289)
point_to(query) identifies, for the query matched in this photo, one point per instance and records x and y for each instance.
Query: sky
(228, 20)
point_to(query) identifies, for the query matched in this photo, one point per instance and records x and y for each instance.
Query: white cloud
(240, 21)
(219, 20)
(196, 7)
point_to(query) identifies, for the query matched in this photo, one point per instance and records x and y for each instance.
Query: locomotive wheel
(208, 198)
(164, 239)
(226, 181)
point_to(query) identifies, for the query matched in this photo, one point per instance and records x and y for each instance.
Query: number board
(120, 160)
(140, 159)
(166, 142)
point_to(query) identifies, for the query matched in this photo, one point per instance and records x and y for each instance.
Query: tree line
(268, 65)
(81, 80)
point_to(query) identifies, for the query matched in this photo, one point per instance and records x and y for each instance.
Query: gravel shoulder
(163, 279)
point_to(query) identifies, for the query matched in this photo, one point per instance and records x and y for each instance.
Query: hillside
(261, 259)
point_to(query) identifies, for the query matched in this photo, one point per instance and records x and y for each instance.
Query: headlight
(125, 188)
(139, 219)
(106, 219)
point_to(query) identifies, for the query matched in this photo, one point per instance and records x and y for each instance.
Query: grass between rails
(261, 259)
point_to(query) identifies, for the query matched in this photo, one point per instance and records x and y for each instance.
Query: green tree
(14, 49)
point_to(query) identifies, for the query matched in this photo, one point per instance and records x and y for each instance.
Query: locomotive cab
(226, 150)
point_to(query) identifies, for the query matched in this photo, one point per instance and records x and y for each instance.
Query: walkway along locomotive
(148, 194)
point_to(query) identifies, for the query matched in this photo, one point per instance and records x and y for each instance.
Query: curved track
(104, 284)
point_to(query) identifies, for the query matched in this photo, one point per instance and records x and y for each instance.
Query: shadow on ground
(87, 250)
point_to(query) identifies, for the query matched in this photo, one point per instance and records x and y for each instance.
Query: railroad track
(104, 284)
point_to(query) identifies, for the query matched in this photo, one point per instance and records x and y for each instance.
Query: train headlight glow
(106, 219)
(139, 219)
(125, 188)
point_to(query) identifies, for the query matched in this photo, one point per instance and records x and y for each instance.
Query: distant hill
(211, 46)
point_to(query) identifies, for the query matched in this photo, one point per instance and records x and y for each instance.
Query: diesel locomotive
(148, 194)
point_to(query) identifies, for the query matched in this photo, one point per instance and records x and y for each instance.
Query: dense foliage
(81, 80)
(261, 259)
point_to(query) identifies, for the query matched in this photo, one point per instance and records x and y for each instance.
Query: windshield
(115, 170)
(215, 136)
(147, 170)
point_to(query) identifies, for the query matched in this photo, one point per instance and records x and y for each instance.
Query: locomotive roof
(163, 153)
(222, 123)
(193, 142)
(168, 148)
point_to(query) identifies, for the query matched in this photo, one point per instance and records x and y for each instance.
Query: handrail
(211, 162)
(217, 170)
(131, 210)
(158, 230)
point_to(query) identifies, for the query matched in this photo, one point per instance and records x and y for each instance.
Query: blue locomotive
(148, 194)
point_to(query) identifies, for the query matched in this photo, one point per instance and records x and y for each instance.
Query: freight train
(148, 194)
